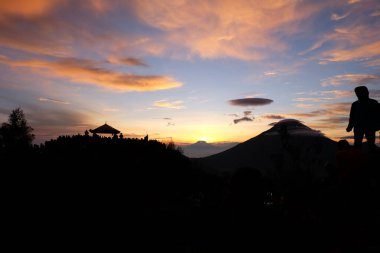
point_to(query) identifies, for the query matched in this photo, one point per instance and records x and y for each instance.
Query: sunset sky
(186, 69)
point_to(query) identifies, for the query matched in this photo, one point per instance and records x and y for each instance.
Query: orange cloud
(351, 79)
(358, 53)
(29, 8)
(90, 72)
(238, 29)
(63, 28)
(337, 109)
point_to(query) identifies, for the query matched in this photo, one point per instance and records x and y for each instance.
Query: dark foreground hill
(288, 145)
(83, 192)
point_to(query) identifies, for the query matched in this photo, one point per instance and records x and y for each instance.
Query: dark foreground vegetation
(83, 192)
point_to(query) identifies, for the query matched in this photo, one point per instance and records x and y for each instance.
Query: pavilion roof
(105, 129)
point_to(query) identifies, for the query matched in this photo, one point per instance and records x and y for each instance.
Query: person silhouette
(363, 118)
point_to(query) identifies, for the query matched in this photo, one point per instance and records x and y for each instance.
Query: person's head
(361, 92)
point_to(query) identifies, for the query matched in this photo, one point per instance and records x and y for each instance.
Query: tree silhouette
(16, 133)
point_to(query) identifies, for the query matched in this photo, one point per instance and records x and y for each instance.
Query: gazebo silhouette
(105, 129)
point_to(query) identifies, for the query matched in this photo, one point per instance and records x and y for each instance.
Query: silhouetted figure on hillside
(364, 117)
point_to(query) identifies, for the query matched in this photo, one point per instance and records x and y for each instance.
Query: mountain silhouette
(288, 145)
(203, 148)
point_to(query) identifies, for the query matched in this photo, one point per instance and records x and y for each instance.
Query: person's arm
(351, 120)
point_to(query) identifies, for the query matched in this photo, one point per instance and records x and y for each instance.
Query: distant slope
(202, 148)
(287, 145)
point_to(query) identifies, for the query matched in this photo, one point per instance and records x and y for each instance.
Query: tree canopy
(16, 132)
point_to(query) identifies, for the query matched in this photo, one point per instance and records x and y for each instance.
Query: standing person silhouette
(364, 118)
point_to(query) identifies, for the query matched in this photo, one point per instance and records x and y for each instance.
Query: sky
(186, 70)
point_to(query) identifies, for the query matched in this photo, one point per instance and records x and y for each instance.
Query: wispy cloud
(308, 99)
(127, 61)
(272, 116)
(322, 96)
(247, 113)
(246, 116)
(303, 105)
(337, 17)
(335, 120)
(91, 72)
(237, 29)
(347, 137)
(365, 51)
(270, 73)
(250, 101)
(374, 94)
(253, 94)
(316, 113)
(337, 94)
(178, 104)
(350, 79)
(375, 14)
(353, 39)
(43, 99)
(236, 121)
(330, 116)
(337, 108)
(373, 63)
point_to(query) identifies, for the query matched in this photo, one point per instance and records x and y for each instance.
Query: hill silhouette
(202, 148)
(288, 145)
